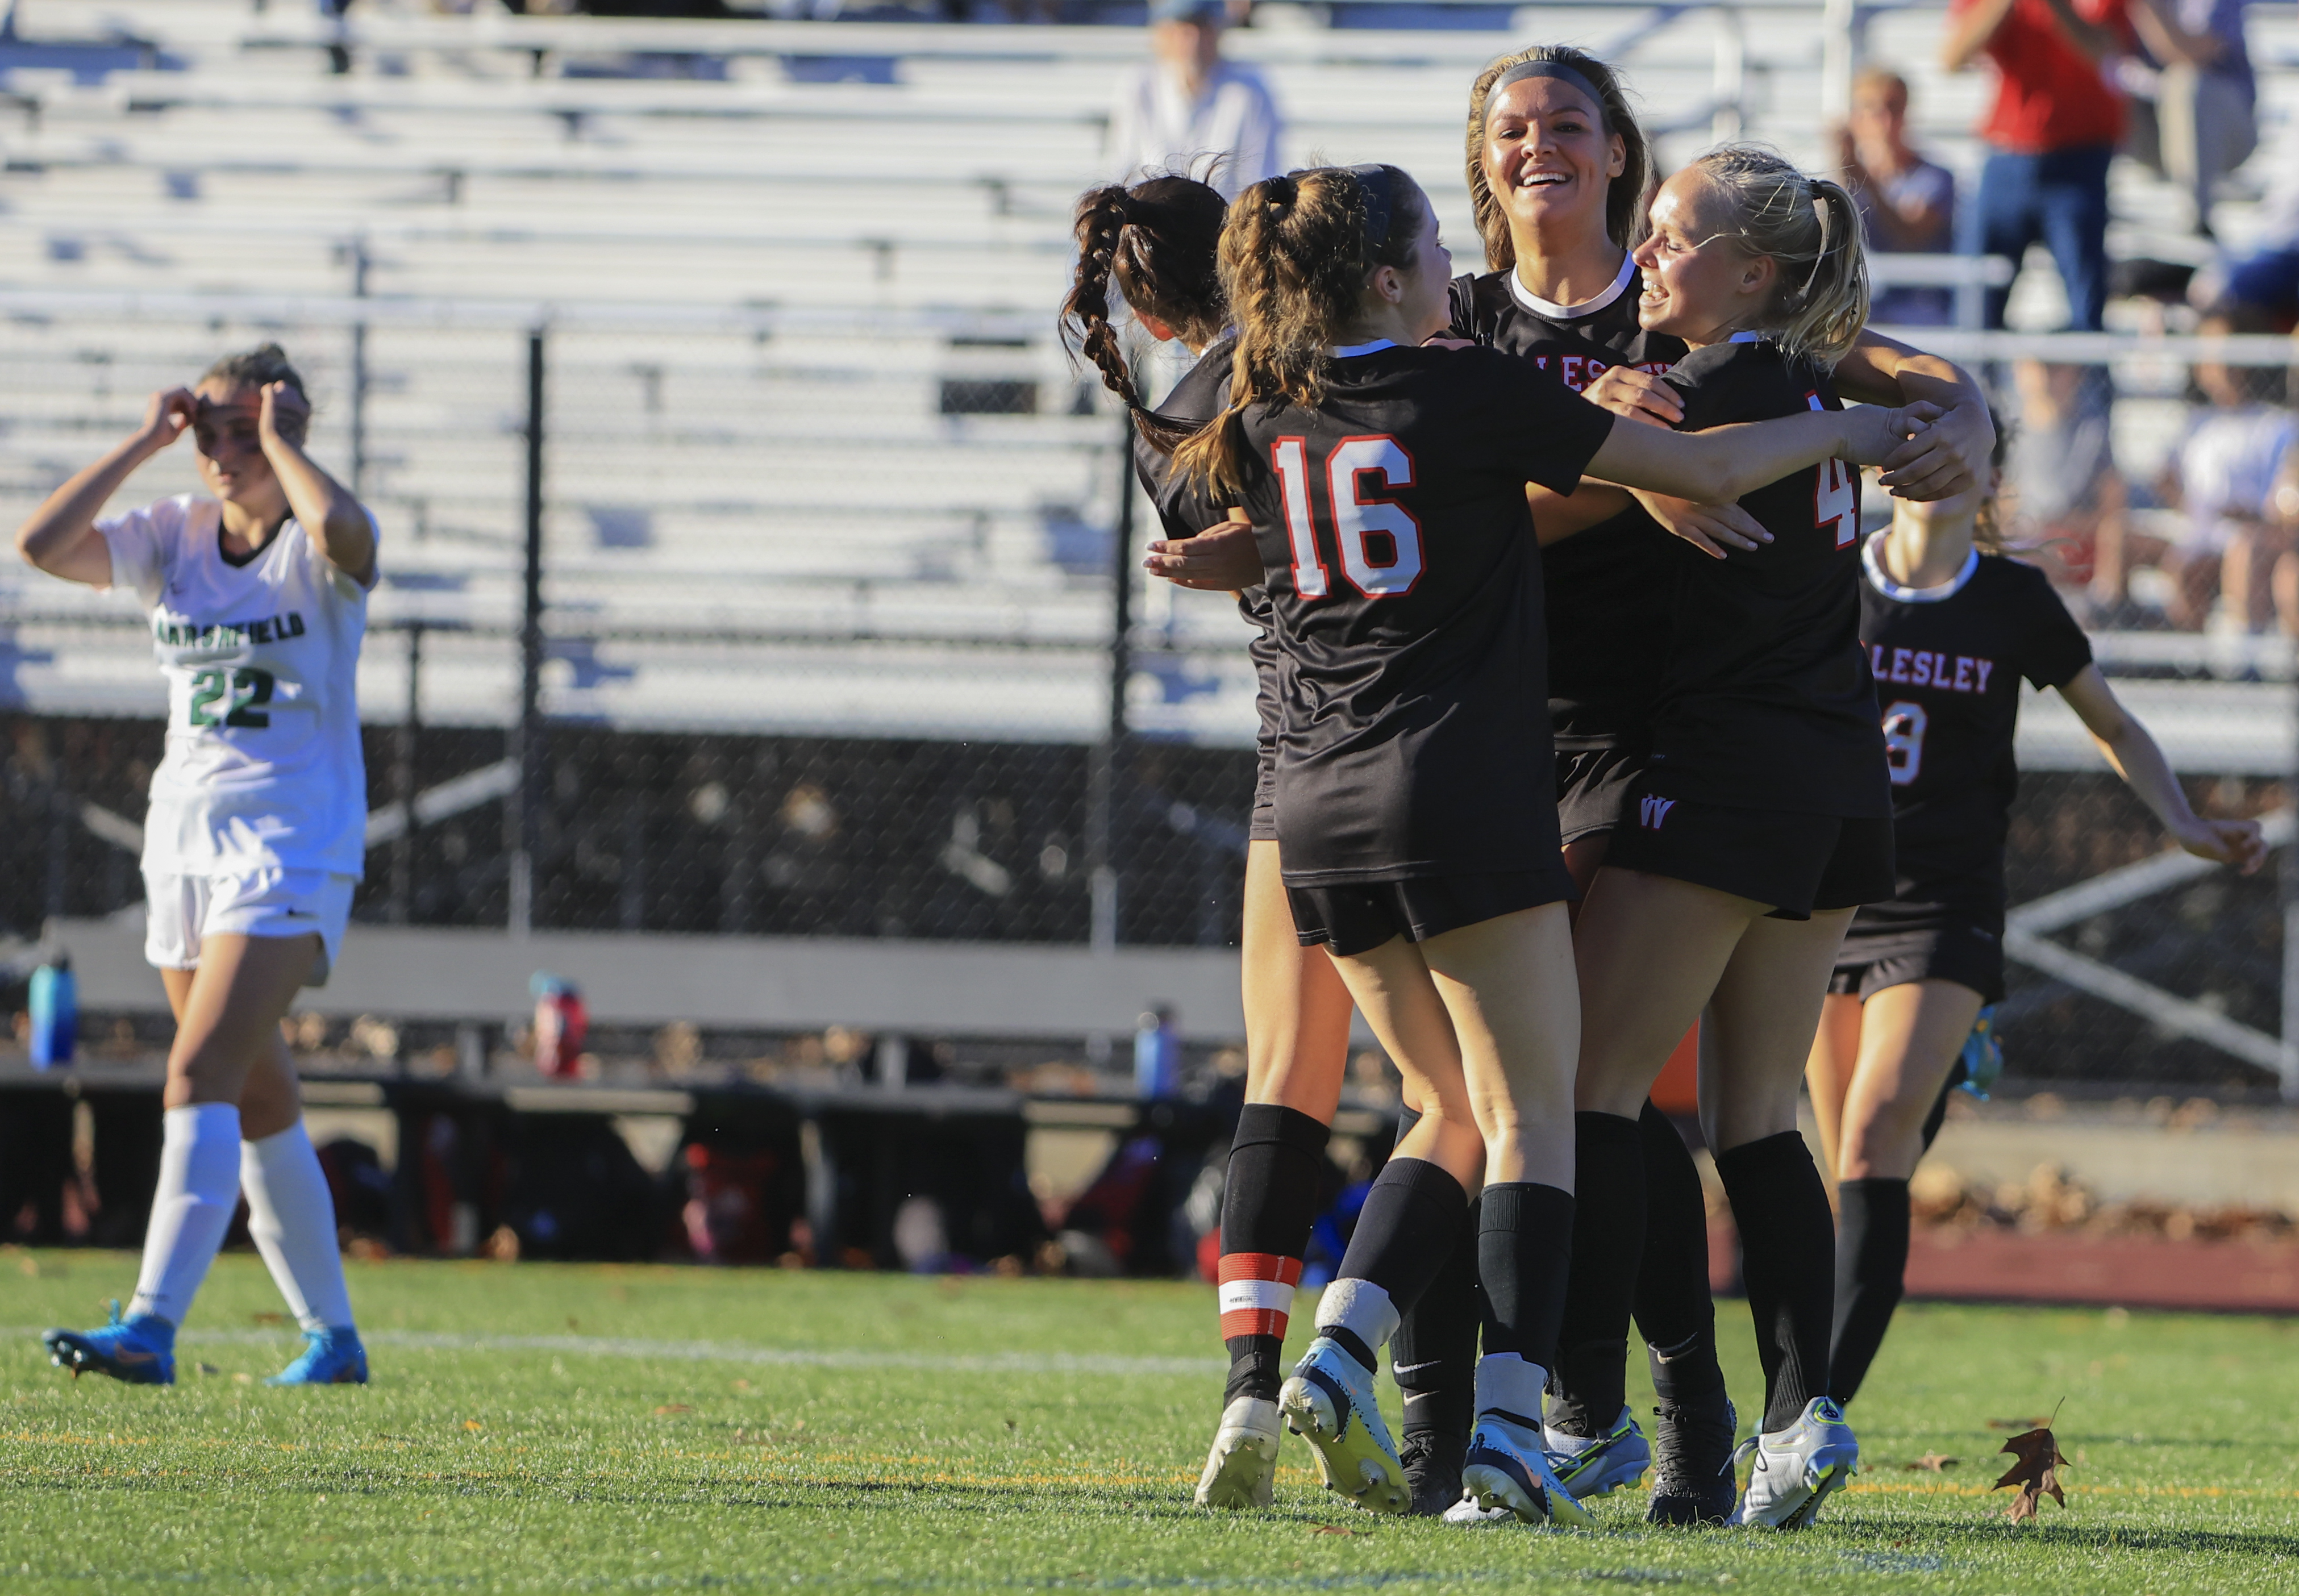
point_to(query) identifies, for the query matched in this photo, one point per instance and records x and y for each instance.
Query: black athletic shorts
(1894, 943)
(1592, 784)
(1356, 917)
(1797, 863)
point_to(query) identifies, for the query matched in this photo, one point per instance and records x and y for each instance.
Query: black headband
(1557, 69)
(1374, 182)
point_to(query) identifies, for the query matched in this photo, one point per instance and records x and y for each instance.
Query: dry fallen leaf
(1935, 1462)
(2036, 1473)
(1334, 1529)
(674, 1408)
(269, 1317)
(472, 1424)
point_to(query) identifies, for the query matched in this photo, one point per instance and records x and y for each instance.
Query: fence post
(402, 851)
(358, 371)
(2288, 879)
(526, 811)
(1103, 766)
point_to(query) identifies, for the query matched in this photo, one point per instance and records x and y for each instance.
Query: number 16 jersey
(1405, 587)
(262, 767)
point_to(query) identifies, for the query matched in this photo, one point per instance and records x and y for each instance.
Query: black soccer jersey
(1185, 509)
(1766, 698)
(1406, 585)
(1605, 604)
(1948, 661)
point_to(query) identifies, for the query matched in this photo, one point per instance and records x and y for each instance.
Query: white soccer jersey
(263, 766)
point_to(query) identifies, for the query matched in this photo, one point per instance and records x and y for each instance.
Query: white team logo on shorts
(1651, 811)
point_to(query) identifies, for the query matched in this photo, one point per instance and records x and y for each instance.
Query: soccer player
(1385, 483)
(1762, 816)
(255, 837)
(1156, 242)
(1951, 624)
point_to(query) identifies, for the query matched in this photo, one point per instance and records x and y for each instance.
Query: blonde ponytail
(1811, 228)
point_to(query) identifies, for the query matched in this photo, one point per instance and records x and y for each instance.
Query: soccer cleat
(1508, 1468)
(329, 1358)
(1467, 1511)
(1329, 1402)
(1590, 1466)
(1798, 1467)
(1432, 1471)
(1692, 1461)
(1241, 1471)
(141, 1350)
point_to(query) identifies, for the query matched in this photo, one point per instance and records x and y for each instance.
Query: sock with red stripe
(1275, 1166)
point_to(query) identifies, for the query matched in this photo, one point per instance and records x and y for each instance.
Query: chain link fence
(823, 630)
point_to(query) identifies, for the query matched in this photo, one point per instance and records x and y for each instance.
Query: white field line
(719, 1351)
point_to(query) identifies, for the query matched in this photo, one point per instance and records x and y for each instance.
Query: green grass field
(539, 1427)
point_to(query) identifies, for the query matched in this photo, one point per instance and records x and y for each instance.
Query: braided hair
(1157, 242)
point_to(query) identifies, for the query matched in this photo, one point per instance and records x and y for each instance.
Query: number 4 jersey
(262, 767)
(1948, 661)
(1405, 585)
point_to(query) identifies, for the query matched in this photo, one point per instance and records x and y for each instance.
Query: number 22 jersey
(1404, 586)
(262, 767)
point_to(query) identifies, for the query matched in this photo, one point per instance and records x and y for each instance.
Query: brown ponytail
(1294, 258)
(1156, 241)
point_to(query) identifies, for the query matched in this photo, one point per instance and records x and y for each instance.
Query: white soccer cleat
(1467, 1511)
(1329, 1402)
(1798, 1468)
(1241, 1471)
(1598, 1465)
(1508, 1468)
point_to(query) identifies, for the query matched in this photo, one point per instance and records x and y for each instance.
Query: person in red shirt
(2054, 125)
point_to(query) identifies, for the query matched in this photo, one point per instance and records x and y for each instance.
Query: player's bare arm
(1733, 461)
(323, 507)
(60, 537)
(1221, 559)
(1642, 396)
(2138, 759)
(1881, 370)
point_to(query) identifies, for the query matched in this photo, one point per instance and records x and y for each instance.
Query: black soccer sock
(1268, 1208)
(1405, 1232)
(1433, 1355)
(1589, 1378)
(1872, 1262)
(1525, 1257)
(1787, 1259)
(1675, 1313)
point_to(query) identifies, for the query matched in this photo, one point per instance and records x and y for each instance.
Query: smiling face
(1548, 159)
(1700, 284)
(231, 460)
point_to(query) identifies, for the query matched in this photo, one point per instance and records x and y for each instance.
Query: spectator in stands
(2067, 495)
(1907, 202)
(1191, 112)
(2264, 285)
(2053, 127)
(2222, 476)
(2192, 95)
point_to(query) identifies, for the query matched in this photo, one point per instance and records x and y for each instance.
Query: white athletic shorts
(182, 910)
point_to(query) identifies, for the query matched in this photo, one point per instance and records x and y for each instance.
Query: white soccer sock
(292, 1217)
(1510, 1384)
(191, 1208)
(1362, 1309)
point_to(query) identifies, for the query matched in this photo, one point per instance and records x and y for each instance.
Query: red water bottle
(561, 1024)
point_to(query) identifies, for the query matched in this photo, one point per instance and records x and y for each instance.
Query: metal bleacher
(807, 421)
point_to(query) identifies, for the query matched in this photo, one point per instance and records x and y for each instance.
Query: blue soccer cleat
(329, 1358)
(1329, 1402)
(1982, 1057)
(1508, 1468)
(141, 1350)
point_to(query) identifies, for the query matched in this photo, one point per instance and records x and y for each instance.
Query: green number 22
(237, 689)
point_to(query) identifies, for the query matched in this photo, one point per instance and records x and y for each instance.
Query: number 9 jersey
(262, 767)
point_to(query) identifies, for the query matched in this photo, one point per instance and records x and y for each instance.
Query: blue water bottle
(56, 1013)
(1158, 1055)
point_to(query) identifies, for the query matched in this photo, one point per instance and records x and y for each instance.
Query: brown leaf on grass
(269, 1317)
(2037, 1473)
(1935, 1462)
(674, 1408)
(1335, 1529)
